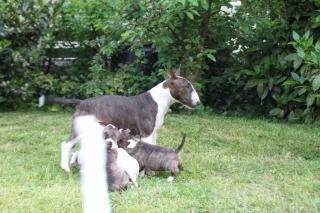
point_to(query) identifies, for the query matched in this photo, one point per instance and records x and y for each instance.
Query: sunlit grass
(231, 164)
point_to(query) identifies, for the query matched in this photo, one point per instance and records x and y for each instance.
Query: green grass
(231, 165)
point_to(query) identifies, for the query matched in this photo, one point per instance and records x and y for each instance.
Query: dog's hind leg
(134, 181)
(66, 149)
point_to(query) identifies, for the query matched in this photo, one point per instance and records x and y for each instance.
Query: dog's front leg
(151, 139)
(154, 139)
(66, 149)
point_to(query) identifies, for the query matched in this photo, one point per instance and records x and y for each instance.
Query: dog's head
(181, 90)
(112, 136)
(125, 136)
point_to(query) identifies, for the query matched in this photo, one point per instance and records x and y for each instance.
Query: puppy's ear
(110, 126)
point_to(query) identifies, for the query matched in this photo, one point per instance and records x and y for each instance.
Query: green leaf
(297, 63)
(195, 12)
(310, 99)
(289, 82)
(251, 83)
(295, 76)
(190, 15)
(306, 35)
(211, 57)
(204, 4)
(265, 93)
(275, 112)
(2, 99)
(194, 3)
(293, 116)
(301, 91)
(41, 3)
(317, 46)
(260, 89)
(291, 57)
(301, 52)
(296, 36)
(248, 72)
(316, 83)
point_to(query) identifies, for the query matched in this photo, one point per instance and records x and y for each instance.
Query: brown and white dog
(154, 157)
(143, 114)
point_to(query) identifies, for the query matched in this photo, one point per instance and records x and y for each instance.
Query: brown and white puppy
(124, 160)
(156, 158)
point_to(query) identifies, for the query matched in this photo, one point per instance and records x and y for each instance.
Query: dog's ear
(171, 74)
(110, 126)
(125, 131)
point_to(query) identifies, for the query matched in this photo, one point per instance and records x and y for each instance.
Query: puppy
(117, 178)
(156, 158)
(124, 160)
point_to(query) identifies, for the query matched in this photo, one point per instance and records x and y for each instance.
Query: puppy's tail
(179, 148)
(42, 100)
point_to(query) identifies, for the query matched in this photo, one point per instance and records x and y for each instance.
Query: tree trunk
(203, 37)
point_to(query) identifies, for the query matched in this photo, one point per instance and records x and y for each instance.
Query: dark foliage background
(257, 57)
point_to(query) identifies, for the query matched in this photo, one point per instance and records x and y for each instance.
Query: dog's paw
(170, 178)
(65, 167)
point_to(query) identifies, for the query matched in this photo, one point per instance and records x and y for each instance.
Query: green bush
(249, 61)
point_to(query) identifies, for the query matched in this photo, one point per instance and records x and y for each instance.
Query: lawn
(231, 165)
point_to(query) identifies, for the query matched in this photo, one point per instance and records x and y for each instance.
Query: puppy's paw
(170, 179)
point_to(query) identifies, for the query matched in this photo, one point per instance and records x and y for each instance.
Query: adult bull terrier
(143, 114)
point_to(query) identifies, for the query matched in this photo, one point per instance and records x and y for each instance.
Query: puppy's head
(112, 136)
(125, 136)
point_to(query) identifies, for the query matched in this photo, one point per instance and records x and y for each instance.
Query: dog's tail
(93, 160)
(179, 148)
(42, 100)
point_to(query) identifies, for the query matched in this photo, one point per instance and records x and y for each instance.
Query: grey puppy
(118, 179)
(154, 157)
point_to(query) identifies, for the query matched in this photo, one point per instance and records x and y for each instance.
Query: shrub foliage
(260, 57)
